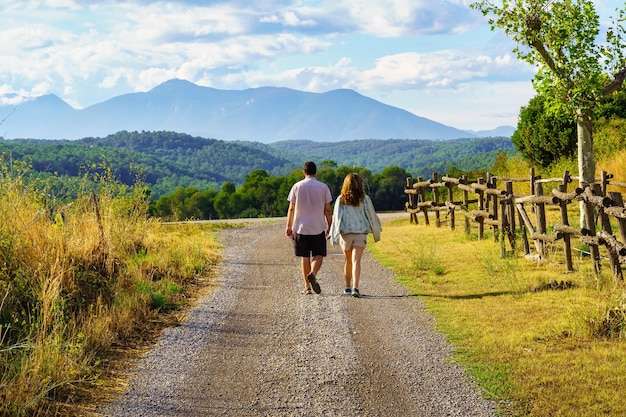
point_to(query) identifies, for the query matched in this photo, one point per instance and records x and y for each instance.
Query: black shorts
(307, 245)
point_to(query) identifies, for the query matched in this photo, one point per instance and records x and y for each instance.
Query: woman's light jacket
(351, 219)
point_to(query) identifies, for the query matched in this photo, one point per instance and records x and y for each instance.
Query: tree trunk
(586, 161)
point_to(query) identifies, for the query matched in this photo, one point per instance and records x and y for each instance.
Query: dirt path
(257, 347)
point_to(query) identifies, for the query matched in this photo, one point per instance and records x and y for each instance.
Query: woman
(353, 218)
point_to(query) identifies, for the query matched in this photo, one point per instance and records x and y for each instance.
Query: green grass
(541, 353)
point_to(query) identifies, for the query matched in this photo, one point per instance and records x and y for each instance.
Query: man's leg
(315, 267)
(306, 269)
(316, 264)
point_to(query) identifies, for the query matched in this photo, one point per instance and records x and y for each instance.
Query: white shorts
(348, 240)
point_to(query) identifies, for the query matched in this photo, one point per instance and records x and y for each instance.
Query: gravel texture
(257, 347)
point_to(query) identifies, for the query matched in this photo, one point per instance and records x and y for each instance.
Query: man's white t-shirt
(309, 197)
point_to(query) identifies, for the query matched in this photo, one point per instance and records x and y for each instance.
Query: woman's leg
(347, 267)
(357, 253)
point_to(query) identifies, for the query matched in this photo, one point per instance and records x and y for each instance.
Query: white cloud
(88, 51)
(396, 18)
(438, 69)
(475, 105)
(288, 18)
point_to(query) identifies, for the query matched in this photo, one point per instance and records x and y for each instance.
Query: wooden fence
(491, 202)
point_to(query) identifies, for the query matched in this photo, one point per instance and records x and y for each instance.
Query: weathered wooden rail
(491, 202)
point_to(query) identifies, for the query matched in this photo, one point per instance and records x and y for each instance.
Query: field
(538, 351)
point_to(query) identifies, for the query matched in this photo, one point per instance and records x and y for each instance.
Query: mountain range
(265, 115)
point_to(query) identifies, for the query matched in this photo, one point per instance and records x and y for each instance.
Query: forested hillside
(420, 157)
(166, 160)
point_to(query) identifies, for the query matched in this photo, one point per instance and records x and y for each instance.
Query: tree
(225, 203)
(574, 69)
(388, 188)
(543, 137)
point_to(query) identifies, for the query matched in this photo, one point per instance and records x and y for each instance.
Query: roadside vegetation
(81, 279)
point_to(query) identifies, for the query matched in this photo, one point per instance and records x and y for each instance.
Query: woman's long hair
(352, 193)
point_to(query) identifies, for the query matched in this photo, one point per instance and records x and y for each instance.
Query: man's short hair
(310, 168)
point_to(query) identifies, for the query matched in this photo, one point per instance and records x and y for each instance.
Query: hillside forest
(189, 177)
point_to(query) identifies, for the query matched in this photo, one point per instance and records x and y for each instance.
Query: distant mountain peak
(500, 131)
(263, 114)
(175, 84)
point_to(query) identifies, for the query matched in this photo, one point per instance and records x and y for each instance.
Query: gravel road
(257, 347)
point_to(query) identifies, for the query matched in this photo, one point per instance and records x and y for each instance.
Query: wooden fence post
(481, 207)
(494, 207)
(422, 199)
(511, 210)
(609, 239)
(435, 190)
(540, 212)
(450, 204)
(621, 221)
(465, 195)
(591, 227)
(523, 229)
(567, 244)
(412, 203)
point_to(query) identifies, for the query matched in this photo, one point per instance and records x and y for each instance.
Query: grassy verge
(539, 353)
(79, 280)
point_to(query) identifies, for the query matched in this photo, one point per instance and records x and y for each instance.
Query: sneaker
(314, 283)
(347, 291)
(355, 292)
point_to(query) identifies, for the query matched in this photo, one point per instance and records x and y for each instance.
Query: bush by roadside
(80, 278)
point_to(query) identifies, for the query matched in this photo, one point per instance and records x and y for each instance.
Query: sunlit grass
(545, 351)
(79, 278)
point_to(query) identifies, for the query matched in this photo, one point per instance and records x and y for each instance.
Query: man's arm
(290, 212)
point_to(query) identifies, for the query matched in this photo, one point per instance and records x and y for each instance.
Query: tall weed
(69, 280)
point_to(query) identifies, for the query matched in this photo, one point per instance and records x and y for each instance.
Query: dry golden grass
(538, 352)
(79, 279)
(615, 165)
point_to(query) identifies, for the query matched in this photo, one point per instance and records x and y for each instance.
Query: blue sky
(435, 58)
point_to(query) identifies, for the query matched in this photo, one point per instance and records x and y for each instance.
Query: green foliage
(388, 188)
(161, 294)
(195, 178)
(610, 138)
(542, 136)
(186, 203)
(560, 37)
(610, 135)
(263, 195)
(420, 157)
(574, 69)
(163, 160)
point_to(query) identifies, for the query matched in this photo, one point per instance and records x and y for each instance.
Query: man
(308, 224)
